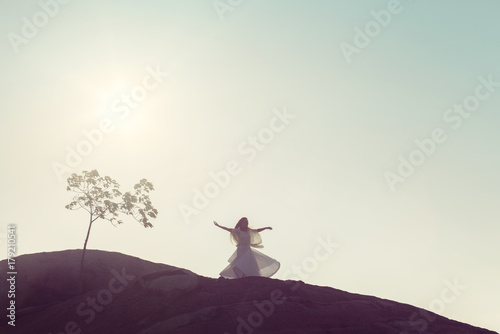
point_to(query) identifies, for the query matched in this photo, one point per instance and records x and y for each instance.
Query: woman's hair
(242, 224)
(255, 240)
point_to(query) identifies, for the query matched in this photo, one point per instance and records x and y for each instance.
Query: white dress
(246, 260)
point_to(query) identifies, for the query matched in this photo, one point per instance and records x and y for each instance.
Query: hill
(124, 294)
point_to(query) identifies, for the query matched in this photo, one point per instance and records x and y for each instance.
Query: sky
(364, 132)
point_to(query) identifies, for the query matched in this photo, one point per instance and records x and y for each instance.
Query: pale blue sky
(323, 175)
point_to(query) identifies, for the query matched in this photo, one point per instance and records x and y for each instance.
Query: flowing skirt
(247, 261)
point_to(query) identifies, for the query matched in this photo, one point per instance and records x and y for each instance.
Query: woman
(247, 261)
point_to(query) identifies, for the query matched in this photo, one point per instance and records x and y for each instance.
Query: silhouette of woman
(246, 260)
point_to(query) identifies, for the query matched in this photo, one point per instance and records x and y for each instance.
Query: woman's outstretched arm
(222, 227)
(264, 228)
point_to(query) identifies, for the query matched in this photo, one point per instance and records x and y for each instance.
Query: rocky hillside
(124, 294)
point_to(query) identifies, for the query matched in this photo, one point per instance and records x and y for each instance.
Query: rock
(169, 282)
(186, 319)
(127, 295)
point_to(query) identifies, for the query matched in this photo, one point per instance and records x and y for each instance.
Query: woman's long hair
(255, 240)
(242, 224)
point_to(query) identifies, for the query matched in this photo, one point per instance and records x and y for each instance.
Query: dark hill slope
(124, 294)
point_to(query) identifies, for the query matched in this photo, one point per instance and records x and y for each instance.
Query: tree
(101, 198)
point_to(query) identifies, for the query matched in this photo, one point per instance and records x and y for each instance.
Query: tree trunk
(83, 254)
